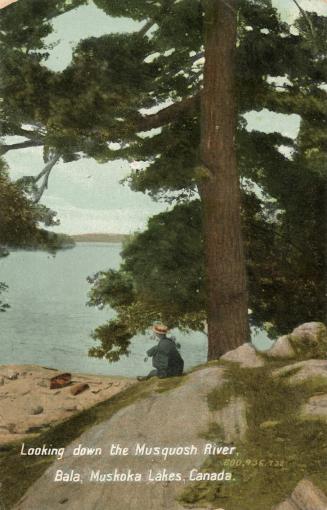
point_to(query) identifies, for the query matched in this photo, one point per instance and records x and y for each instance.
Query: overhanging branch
(21, 145)
(168, 114)
(45, 173)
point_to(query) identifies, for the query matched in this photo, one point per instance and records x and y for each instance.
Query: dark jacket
(166, 358)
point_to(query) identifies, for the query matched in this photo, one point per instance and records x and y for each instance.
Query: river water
(49, 323)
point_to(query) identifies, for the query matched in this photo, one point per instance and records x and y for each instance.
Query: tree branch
(197, 57)
(21, 145)
(46, 174)
(149, 24)
(169, 114)
(30, 134)
(309, 23)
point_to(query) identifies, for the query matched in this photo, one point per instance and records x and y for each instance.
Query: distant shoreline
(99, 238)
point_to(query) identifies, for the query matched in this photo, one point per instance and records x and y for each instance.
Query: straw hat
(160, 329)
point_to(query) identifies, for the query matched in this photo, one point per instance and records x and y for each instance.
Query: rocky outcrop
(306, 496)
(308, 341)
(313, 371)
(310, 335)
(179, 416)
(282, 348)
(303, 371)
(245, 355)
(232, 419)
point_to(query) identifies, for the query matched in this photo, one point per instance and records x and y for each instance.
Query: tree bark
(228, 325)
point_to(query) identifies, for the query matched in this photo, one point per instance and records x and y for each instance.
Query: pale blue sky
(87, 196)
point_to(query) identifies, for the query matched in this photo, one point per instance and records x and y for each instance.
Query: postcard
(163, 254)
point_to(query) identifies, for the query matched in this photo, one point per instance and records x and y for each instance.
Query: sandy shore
(28, 405)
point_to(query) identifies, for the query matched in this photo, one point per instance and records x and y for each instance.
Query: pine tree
(102, 106)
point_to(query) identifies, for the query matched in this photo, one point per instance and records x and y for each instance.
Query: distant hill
(99, 238)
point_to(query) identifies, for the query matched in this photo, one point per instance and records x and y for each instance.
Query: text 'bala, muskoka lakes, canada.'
(152, 474)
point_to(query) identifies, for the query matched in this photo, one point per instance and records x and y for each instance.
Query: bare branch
(46, 174)
(21, 145)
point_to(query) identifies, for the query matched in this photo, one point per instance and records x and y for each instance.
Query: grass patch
(169, 383)
(279, 449)
(289, 373)
(17, 473)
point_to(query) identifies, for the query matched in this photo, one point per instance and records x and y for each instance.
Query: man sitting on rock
(166, 359)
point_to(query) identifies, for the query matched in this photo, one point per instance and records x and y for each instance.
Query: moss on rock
(309, 340)
(280, 448)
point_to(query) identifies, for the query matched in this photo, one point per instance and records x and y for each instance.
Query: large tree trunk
(220, 191)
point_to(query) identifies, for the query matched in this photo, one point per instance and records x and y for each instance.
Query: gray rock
(303, 371)
(311, 332)
(37, 410)
(315, 407)
(245, 355)
(11, 374)
(287, 505)
(232, 419)
(43, 383)
(282, 348)
(306, 496)
(70, 408)
(310, 340)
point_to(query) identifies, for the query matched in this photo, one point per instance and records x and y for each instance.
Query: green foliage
(162, 275)
(18, 217)
(170, 242)
(161, 279)
(34, 19)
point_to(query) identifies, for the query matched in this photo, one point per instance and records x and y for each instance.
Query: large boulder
(245, 355)
(282, 348)
(310, 340)
(306, 341)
